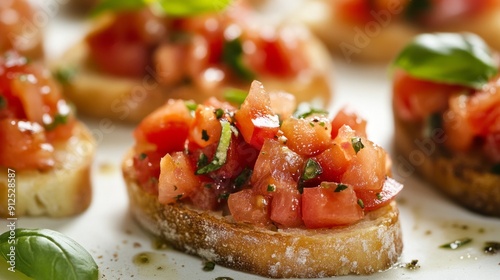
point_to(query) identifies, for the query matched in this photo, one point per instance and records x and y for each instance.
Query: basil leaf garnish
(449, 58)
(169, 7)
(46, 254)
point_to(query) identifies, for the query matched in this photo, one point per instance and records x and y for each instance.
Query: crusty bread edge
(372, 245)
(63, 191)
(476, 190)
(130, 100)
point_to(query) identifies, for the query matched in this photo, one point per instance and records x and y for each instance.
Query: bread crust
(130, 100)
(64, 190)
(463, 178)
(372, 245)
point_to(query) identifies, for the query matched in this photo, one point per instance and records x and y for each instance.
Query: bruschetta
(20, 29)
(446, 101)
(312, 193)
(133, 61)
(378, 30)
(45, 152)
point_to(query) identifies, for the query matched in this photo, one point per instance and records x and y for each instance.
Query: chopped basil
(223, 196)
(204, 135)
(412, 265)
(340, 187)
(456, 244)
(312, 170)
(361, 203)
(170, 7)
(202, 160)
(434, 121)
(208, 266)
(47, 254)
(357, 144)
(379, 196)
(491, 247)
(191, 105)
(449, 58)
(271, 188)
(59, 119)
(415, 9)
(219, 113)
(232, 52)
(3, 102)
(65, 74)
(179, 197)
(234, 95)
(221, 151)
(143, 156)
(244, 176)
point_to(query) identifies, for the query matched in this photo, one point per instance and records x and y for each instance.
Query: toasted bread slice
(64, 190)
(371, 245)
(130, 100)
(466, 179)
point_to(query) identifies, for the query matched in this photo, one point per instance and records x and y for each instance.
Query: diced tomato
(167, 127)
(177, 179)
(367, 169)
(484, 109)
(205, 198)
(309, 136)
(276, 165)
(206, 128)
(255, 119)
(282, 103)
(355, 11)
(346, 116)
(286, 208)
(322, 207)
(440, 14)
(373, 200)
(23, 145)
(459, 134)
(415, 99)
(334, 162)
(147, 170)
(247, 207)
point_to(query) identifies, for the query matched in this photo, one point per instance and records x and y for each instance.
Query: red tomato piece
(177, 179)
(206, 128)
(414, 99)
(286, 207)
(309, 136)
(255, 119)
(167, 127)
(373, 200)
(248, 207)
(322, 207)
(147, 170)
(334, 162)
(348, 117)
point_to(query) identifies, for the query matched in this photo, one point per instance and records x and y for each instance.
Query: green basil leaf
(118, 5)
(47, 254)
(232, 55)
(235, 96)
(221, 151)
(190, 7)
(449, 58)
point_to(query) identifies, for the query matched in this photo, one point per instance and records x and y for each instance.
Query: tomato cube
(177, 178)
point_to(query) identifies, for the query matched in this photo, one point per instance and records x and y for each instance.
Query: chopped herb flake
(204, 135)
(221, 151)
(357, 144)
(142, 156)
(202, 160)
(243, 178)
(58, 120)
(312, 170)
(340, 187)
(3, 102)
(208, 266)
(456, 244)
(191, 105)
(65, 75)
(379, 196)
(178, 197)
(361, 203)
(412, 265)
(219, 113)
(271, 188)
(305, 111)
(223, 196)
(491, 247)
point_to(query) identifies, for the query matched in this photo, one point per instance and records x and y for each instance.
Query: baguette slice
(130, 100)
(371, 245)
(62, 191)
(465, 179)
